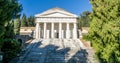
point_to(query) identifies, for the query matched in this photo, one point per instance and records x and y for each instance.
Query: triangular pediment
(56, 12)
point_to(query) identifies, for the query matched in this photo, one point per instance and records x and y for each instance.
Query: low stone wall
(23, 38)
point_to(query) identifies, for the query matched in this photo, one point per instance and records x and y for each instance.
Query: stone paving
(56, 51)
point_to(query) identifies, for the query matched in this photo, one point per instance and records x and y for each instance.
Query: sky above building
(32, 7)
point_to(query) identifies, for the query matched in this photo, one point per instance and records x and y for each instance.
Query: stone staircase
(56, 51)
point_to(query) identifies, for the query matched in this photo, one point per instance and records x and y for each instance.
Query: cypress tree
(24, 21)
(31, 21)
(104, 30)
(84, 20)
(9, 9)
(17, 24)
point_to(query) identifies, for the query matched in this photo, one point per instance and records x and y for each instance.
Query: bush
(10, 48)
(85, 37)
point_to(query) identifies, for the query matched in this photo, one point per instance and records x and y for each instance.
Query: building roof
(56, 12)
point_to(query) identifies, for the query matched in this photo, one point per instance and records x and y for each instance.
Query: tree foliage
(24, 21)
(31, 22)
(17, 24)
(27, 22)
(104, 30)
(10, 51)
(84, 20)
(9, 27)
(9, 9)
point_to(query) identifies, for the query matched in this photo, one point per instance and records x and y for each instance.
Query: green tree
(10, 51)
(24, 21)
(31, 22)
(9, 27)
(104, 30)
(9, 9)
(14, 48)
(17, 24)
(84, 20)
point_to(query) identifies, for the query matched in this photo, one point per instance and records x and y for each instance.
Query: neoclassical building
(56, 23)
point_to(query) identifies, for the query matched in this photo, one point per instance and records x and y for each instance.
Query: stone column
(62, 33)
(67, 31)
(80, 33)
(60, 30)
(52, 30)
(37, 31)
(47, 34)
(44, 30)
(75, 31)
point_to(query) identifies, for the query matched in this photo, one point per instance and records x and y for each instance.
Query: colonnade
(52, 33)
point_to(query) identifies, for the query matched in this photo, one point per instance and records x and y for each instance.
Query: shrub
(85, 37)
(10, 48)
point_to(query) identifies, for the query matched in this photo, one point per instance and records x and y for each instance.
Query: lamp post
(1, 56)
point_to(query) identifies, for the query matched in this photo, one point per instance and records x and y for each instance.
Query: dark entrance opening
(57, 35)
(20, 41)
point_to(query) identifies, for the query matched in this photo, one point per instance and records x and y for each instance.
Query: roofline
(58, 8)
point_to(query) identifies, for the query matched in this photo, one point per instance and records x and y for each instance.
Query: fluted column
(67, 31)
(60, 30)
(75, 31)
(44, 30)
(52, 30)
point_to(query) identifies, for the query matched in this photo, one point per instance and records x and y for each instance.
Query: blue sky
(32, 7)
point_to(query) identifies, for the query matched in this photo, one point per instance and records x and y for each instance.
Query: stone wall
(26, 33)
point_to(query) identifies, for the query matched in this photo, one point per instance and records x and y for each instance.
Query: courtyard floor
(57, 51)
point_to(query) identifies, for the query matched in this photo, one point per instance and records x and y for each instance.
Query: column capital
(60, 22)
(37, 23)
(53, 22)
(75, 23)
(44, 22)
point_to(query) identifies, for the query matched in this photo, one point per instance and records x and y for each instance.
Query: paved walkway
(55, 51)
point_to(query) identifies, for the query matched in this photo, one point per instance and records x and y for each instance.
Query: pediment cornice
(56, 12)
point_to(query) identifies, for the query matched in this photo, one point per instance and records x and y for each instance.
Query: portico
(56, 23)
